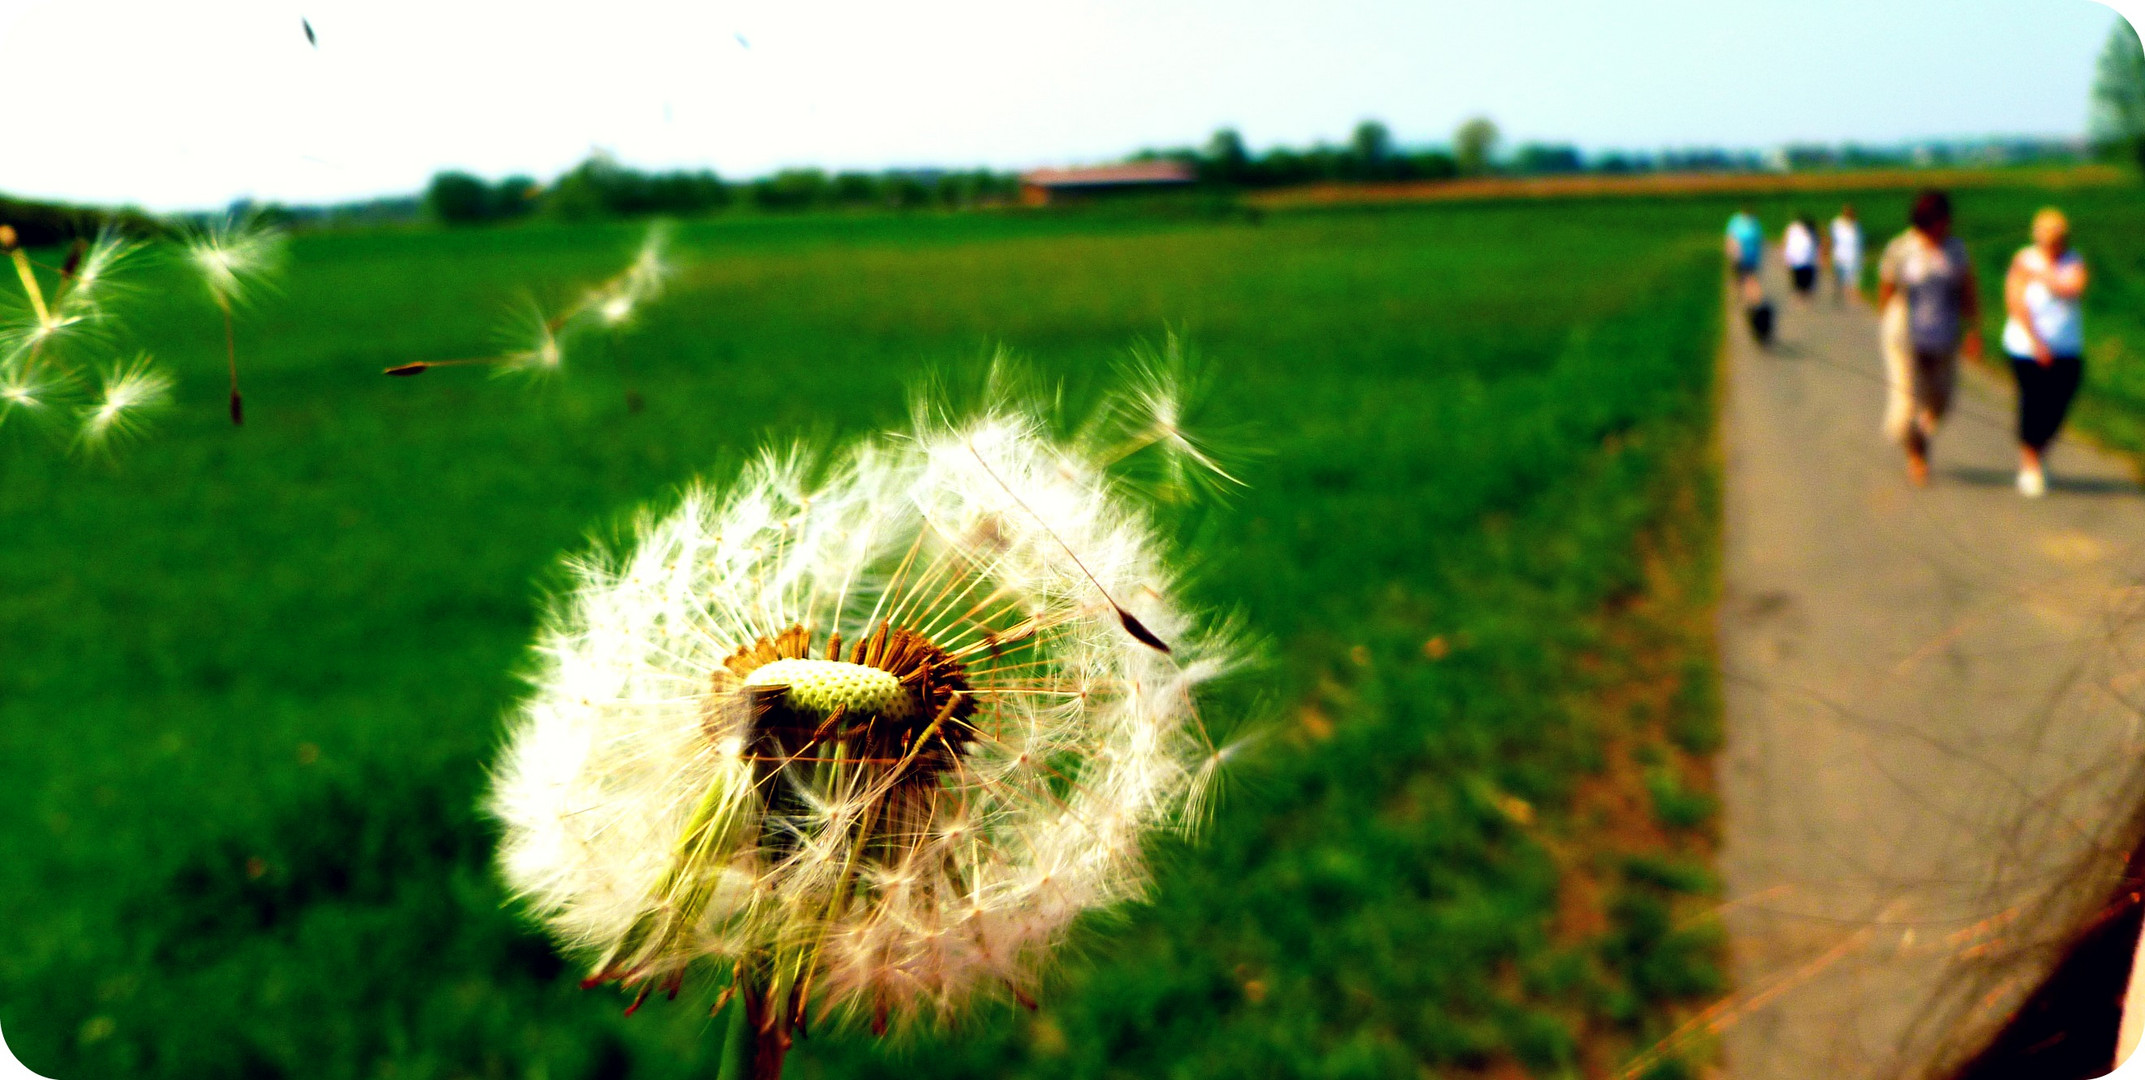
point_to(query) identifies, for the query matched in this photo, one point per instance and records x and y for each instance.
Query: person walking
(2044, 337)
(1745, 243)
(1798, 249)
(1846, 253)
(1930, 309)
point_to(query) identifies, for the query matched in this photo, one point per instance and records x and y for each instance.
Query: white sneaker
(2032, 483)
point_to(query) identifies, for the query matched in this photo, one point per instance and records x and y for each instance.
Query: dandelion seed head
(871, 717)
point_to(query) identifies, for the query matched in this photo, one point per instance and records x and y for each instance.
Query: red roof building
(1042, 187)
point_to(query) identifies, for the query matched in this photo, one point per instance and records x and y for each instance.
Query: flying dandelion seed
(128, 391)
(234, 256)
(45, 322)
(545, 355)
(22, 390)
(867, 731)
(1161, 387)
(79, 302)
(610, 305)
(614, 302)
(40, 368)
(87, 281)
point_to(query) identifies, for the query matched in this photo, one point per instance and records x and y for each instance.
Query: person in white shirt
(1798, 249)
(2045, 339)
(1846, 252)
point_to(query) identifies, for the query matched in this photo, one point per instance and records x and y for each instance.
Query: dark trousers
(2044, 396)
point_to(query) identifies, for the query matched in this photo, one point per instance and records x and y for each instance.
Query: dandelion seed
(127, 392)
(540, 339)
(542, 355)
(86, 283)
(858, 728)
(234, 256)
(614, 302)
(23, 388)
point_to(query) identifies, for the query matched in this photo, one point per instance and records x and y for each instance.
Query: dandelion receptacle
(861, 734)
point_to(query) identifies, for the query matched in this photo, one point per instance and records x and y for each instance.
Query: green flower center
(822, 686)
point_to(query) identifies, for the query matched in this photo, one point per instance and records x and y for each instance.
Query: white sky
(170, 104)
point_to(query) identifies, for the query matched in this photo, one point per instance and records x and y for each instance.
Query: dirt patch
(1645, 822)
(1565, 187)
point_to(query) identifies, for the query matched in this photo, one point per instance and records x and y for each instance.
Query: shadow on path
(2007, 478)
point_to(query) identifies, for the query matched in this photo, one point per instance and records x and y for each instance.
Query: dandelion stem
(29, 287)
(230, 348)
(737, 1039)
(757, 1040)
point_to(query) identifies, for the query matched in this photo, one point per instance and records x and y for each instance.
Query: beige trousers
(1918, 382)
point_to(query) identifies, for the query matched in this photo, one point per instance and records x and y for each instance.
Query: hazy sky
(172, 104)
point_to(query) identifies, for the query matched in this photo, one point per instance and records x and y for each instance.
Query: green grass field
(250, 679)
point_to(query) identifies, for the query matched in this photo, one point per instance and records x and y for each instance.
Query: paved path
(1925, 724)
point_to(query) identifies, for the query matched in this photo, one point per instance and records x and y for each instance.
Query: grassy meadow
(250, 679)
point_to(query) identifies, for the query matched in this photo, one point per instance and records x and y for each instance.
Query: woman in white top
(2045, 337)
(1798, 249)
(1846, 254)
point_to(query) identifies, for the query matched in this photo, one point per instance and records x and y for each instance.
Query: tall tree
(1226, 159)
(2118, 117)
(1473, 144)
(1372, 145)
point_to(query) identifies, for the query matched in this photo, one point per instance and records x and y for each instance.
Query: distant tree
(1474, 145)
(1427, 165)
(1371, 147)
(955, 189)
(516, 196)
(1226, 161)
(682, 193)
(2118, 116)
(458, 198)
(601, 187)
(790, 189)
(904, 190)
(855, 188)
(39, 224)
(1543, 159)
(583, 193)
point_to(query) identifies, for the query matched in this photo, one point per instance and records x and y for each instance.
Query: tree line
(602, 187)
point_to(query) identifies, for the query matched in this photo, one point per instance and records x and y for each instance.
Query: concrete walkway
(1924, 690)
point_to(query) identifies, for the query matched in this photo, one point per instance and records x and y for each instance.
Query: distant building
(1044, 187)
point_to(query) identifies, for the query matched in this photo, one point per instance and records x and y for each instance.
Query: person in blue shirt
(1746, 249)
(1746, 244)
